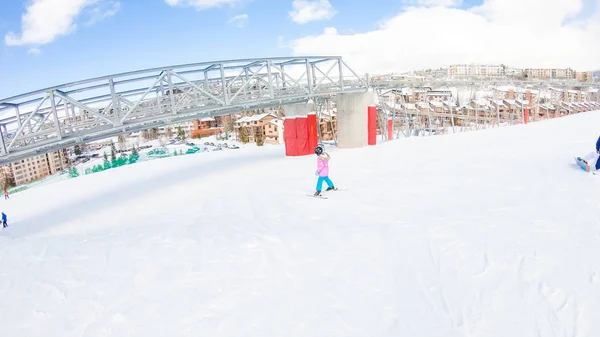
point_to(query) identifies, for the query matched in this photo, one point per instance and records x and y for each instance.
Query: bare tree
(122, 142)
(227, 125)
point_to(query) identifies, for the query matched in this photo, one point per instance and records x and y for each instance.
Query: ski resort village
(405, 173)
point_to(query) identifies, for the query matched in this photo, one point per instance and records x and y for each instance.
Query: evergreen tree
(73, 173)
(77, 150)
(243, 136)
(260, 140)
(181, 133)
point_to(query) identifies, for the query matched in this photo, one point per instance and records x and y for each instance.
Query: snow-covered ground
(488, 233)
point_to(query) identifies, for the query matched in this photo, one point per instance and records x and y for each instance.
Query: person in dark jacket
(4, 223)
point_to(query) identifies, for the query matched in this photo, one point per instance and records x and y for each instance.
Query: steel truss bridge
(79, 112)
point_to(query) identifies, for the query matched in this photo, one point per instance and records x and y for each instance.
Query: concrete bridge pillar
(352, 119)
(295, 110)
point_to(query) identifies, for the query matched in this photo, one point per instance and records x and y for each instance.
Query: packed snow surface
(488, 233)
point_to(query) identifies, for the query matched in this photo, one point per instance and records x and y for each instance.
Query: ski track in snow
(473, 234)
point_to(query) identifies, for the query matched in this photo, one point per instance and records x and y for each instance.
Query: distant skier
(6, 194)
(4, 223)
(323, 170)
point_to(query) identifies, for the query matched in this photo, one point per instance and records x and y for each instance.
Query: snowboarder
(591, 159)
(4, 223)
(323, 170)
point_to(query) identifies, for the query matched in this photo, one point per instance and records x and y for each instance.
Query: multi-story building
(584, 76)
(39, 167)
(549, 73)
(206, 126)
(263, 125)
(438, 95)
(328, 124)
(477, 70)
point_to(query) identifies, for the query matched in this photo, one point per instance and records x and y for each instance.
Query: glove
(317, 173)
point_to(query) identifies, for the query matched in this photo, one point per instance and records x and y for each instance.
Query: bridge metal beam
(73, 113)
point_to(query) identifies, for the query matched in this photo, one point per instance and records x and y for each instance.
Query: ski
(316, 196)
(337, 190)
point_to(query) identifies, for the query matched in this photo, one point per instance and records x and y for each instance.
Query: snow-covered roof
(481, 102)
(522, 102)
(276, 122)
(207, 119)
(437, 104)
(329, 112)
(254, 118)
(438, 93)
(547, 106)
(499, 103)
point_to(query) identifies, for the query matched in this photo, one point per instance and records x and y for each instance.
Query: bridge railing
(73, 113)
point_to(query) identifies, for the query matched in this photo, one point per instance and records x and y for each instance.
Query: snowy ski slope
(492, 233)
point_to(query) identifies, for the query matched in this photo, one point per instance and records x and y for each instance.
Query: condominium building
(584, 76)
(477, 70)
(38, 167)
(549, 73)
(265, 125)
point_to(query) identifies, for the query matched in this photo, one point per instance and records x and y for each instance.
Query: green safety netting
(192, 150)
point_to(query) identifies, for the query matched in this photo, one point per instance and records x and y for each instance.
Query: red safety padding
(313, 138)
(372, 125)
(289, 128)
(301, 128)
(303, 147)
(291, 148)
(390, 129)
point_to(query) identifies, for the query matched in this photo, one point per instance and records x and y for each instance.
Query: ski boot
(331, 188)
(317, 194)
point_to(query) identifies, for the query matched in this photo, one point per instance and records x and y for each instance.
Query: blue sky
(135, 34)
(151, 33)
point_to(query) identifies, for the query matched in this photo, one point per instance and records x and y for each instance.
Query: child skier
(323, 170)
(4, 224)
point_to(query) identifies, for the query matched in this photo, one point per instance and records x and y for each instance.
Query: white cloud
(103, 10)
(202, 4)
(239, 20)
(519, 33)
(45, 20)
(446, 3)
(34, 51)
(305, 11)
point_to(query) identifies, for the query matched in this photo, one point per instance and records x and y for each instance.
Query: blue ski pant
(324, 179)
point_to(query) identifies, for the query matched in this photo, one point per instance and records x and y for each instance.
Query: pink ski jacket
(323, 165)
